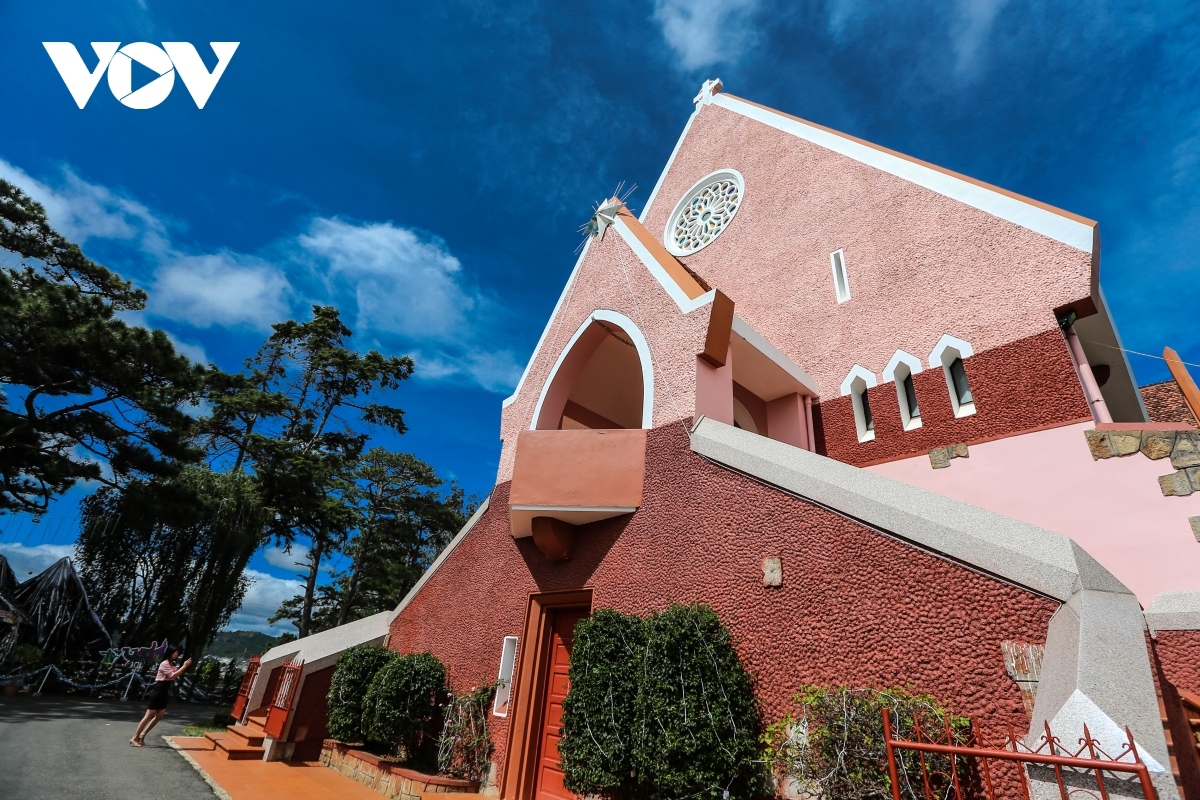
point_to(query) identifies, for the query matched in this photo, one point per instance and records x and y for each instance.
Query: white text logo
(165, 61)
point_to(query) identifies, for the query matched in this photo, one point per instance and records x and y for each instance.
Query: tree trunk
(352, 586)
(304, 624)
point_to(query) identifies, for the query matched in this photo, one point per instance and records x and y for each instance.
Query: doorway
(548, 782)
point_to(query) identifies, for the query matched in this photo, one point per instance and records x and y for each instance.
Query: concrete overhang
(763, 368)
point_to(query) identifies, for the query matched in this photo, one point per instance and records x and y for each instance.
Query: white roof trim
(1070, 232)
(858, 371)
(508, 401)
(901, 357)
(437, 562)
(945, 343)
(685, 303)
(777, 356)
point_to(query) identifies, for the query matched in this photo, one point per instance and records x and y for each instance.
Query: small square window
(841, 280)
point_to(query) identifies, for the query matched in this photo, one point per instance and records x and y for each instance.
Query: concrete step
(251, 734)
(233, 747)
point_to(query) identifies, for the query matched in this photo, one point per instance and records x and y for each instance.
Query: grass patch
(199, 730)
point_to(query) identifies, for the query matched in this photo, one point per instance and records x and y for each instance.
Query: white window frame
(903, 365)
(856, 384)
(949, 348)
(508, 663)
(841, 275)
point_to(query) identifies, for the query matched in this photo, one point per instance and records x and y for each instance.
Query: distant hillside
(240, 644)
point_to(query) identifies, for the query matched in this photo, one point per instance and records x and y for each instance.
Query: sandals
(137, 742)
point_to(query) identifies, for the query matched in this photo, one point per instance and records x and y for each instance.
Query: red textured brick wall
(1179, 655)
(312, 712)
(1165, 403)
(856, 607)
(1025, 385)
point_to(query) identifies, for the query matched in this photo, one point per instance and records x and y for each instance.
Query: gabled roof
(1063, 226)
(320, 646)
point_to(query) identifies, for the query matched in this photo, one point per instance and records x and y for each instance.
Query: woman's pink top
(166, 671)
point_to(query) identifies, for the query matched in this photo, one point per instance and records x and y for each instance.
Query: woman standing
(158, 694)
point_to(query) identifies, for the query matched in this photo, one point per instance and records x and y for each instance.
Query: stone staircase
(242, 742)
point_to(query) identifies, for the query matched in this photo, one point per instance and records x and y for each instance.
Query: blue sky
(425, 166)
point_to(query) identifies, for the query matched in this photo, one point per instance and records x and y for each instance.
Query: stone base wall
(386, 778)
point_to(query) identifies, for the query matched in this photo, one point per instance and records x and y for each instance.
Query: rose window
(704, 212)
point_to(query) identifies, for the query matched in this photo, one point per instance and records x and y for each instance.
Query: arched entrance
(602, 380)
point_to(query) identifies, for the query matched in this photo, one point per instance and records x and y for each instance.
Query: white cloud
(262, 600)
(295, 559)
(26, 560)
(225, 289)
(81, 210)
(971, 30)
(403, 284)
(707, 32)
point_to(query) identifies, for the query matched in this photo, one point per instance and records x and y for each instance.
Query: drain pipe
(808, 423)
(1091, 389)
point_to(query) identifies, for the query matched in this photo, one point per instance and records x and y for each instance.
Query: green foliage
(80, 388)
(464, 747)
(352, 676)
(208, 673)
(832, 745)
(660, 708)
(402, 706)
(167, 558)
(240, 645)
(27, 656)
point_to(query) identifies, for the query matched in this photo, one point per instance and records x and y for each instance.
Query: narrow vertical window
(841, 281)
(508, 661)
(910, 397)
(868, 418)
(962, 389)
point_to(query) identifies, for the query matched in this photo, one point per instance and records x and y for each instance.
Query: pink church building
(873, 412)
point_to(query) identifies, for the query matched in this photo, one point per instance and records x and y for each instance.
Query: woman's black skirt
(158, 695)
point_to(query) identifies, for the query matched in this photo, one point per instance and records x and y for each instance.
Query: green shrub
(402, 704)
(352, 676)
(660, 708)
(464, 747)
(833, 743)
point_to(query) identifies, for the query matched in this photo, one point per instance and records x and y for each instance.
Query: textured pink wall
(1113, 508)
(1179, 654)
(855, 607)
(1028, 384)
(920, 264)
(604, 280)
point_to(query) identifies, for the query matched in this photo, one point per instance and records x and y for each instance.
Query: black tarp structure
(11, 616)
(62, 622)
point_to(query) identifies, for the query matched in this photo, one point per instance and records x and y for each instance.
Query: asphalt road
(64, 748)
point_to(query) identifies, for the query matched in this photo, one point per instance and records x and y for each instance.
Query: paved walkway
(65, 748)
(259, 780)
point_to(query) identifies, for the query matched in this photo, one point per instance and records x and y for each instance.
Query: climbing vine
(832, 744)
(464, 747)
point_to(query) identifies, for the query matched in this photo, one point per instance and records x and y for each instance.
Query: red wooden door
(549, 781)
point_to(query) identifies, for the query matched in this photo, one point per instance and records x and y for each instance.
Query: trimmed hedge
(352, 676)
(660, 708)
(402, 705)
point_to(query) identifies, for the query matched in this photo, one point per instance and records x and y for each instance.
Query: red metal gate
(281, 705)
(971, 772)
(243, 695)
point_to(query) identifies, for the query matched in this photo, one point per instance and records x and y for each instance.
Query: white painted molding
(1018, 211)
(643, 351)
(762, 345)
(948, 342)
(668, 239)
(858, 371)
(901, 357)
(562, 297)
(685, 303)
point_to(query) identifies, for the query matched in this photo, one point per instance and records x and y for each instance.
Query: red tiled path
(266, 780)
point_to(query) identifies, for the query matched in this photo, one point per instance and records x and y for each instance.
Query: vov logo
(165, 61)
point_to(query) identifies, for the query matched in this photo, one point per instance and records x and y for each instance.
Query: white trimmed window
(901, 370)
(508, 661)
(841, 279)
(704, 212)
(856, 385)
(949, 355)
